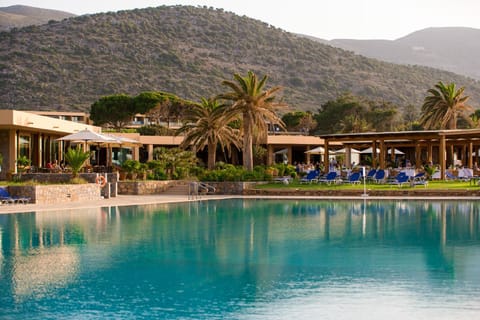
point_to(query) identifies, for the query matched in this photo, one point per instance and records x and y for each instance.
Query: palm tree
(443, 106)
(256, 106)
(76, 157)
(207, 126)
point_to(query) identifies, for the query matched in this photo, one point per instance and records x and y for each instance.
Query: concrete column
(12, 152)
(136, 153)
(150, 152)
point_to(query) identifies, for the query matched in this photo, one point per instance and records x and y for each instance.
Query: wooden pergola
(433, 144)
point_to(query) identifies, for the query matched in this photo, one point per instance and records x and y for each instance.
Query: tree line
(240, 116)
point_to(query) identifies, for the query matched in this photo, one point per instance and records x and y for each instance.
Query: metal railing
(196, 189)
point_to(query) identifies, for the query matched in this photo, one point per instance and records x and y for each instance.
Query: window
(24, 146)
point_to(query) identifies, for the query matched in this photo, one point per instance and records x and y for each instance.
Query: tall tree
(115, 111)
(208, 125)
(256, 106)
(443, 106)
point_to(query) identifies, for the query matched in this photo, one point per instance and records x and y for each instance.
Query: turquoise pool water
(244, 259)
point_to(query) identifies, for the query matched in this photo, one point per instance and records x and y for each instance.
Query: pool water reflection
(244, 259)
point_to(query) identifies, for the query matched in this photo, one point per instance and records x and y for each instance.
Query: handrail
(194, 189)
(208, 188)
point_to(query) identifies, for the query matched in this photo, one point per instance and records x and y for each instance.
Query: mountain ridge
(189, 51)
(454, 49)
(18, 16)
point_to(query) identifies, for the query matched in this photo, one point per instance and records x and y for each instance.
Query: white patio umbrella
(317, 150)
(283, 151)
(395, 151)
(87, 136)
(369, 150)
(344, 150)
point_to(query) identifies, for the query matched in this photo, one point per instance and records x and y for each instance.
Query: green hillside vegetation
(189, 51)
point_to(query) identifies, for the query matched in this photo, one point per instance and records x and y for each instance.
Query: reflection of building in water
(44, 251)
(38, 271)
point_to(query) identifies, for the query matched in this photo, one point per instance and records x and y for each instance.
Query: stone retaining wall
(57, 193)
(144, 187)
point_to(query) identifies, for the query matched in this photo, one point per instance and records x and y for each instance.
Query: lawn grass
(432, 185)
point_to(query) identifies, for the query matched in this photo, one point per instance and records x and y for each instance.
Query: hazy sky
(327, 19)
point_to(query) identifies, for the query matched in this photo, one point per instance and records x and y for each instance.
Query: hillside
(20, 16)
(189, 51)
(452, 49)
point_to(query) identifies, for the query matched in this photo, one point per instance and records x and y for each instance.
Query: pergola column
(470, 154)
(327, 157)
(348, 157)
(418, 155)
(382, 154)
(374, 153)
(442, 156)
(429, 152)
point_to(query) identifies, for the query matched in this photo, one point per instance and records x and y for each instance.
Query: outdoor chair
(312, 176)
(5, 197)
(379, 176)
(371, 174)
(354, 178)
(331, 177)
(400, 180)
(419, 180)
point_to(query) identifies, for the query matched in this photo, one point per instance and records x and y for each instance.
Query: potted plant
(22, 163)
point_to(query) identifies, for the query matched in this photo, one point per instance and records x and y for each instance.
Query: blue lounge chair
(379, 176)
(312, 176)
(371, 174)
(331, 177)
(401, 180)
(354, 178)
(5, 197)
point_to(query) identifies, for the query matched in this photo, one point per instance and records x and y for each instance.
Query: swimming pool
(244, 259)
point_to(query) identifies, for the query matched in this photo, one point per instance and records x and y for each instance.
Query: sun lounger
(5, 197)
(312, 176)
(354, 178)
(379, 176)
(400, 180)
(330, 178)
